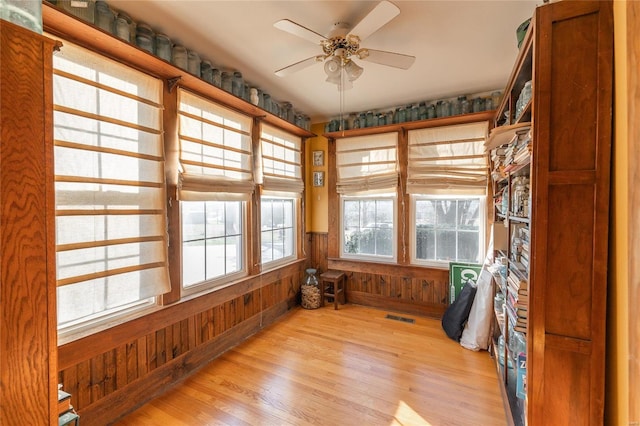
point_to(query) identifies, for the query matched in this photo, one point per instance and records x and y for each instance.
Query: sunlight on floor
(405, 415)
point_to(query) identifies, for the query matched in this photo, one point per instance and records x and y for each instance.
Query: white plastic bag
(475, 335)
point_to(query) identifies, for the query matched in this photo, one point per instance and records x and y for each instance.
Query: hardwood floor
(352, 366)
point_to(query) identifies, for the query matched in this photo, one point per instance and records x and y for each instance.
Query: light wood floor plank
(352, 366)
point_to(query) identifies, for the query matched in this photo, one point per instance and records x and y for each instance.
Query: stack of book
(518, 151)
(66, 414)
(517, 302)
(498, 161)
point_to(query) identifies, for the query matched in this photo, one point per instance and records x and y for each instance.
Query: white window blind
(281, 161)
(367, 164)
(109, 186)
(448, 160)
(215, 151)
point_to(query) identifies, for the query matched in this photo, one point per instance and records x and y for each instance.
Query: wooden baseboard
(396, 305)
(114, 406)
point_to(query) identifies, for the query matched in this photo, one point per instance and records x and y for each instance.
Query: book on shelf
(69, 418)
(518, 301)
(519, 285)
(514, 317)
(64, 401)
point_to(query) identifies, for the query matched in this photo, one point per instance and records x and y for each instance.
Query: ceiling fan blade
(288, 70)
(376, 19)
(298, 30)
(396, 60)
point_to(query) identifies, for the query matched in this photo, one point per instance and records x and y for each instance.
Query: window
(368, 228)
(448, 229)
(216, 182)
(367, 180)
(278, 231)
(109, 188)
(283, 185)
(447, 179)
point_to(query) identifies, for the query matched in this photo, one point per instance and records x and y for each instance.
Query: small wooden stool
(331, 286)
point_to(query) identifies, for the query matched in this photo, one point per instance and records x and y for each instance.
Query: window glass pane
(468, 248)
(212, 234)
(215, 219)
(267, 215)
(234, 254)
(468, 214)
(446, 213)
(425, 242)
(445, 245)
(215, 252)
(267, 246)
(193, 265)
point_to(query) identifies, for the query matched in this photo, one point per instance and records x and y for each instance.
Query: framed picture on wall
(318, 178)
(318, 158)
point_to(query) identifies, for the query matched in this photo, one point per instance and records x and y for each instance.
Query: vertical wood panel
(28, 359)
(97, 377)
(152, 355)
(83, 390)
(121, 366)
(633, 121)
(110, 372)
(69, 382)
(176, 344)
(143, 358)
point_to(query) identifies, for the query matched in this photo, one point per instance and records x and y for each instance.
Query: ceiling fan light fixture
(332, 67)
(335, 79)
(353, 70)
(362, 54)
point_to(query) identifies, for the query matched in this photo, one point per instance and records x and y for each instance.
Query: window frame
(444, 264)
(394, 236)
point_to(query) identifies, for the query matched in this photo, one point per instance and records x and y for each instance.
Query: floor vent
(403, 319)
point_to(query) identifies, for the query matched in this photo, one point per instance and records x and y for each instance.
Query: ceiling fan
(342, 45)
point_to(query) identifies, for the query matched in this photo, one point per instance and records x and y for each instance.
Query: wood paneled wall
(401, 288)
(318, 251)
(111, 373)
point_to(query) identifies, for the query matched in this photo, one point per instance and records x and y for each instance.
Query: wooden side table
(332, 286)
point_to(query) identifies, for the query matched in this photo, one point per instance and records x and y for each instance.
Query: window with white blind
(367, 181)
(447, 179)
(282, 186)
(109, 188)
(215, 183)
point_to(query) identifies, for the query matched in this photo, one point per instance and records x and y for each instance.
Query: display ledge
(414, 125)
(64, 25)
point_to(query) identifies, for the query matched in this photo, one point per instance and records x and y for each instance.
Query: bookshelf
(559, 145)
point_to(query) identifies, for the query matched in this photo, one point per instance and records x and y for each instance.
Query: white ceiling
(461, 47)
